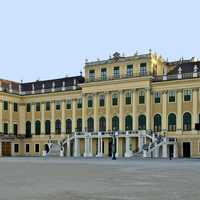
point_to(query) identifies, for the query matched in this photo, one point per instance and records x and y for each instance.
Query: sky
(45, 39)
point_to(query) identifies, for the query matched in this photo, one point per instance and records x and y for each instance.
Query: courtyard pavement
(95, 179)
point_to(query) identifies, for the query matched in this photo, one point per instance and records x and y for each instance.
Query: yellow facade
(144, 90)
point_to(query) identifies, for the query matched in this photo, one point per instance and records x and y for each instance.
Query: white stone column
(164, 111)
(1, 117)
(121, 113)
(10, 118)
(117, 147)
(108, 125)
(140, 141)
(175, 151)
(128, 152)
(156, 153)
(68, 147)
(73, 115)
(33, 119)
(194, 108)
(86, 151)
(99, 154)
(164, 148)
(90, 147)
(148, 108)
(76, 146)
(179, 111)
(63, 121)
(43, 118)
(134, 109)
(52, 117)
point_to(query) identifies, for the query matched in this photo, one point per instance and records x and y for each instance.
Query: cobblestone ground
(93, 179)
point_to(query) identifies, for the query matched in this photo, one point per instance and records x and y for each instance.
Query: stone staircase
(54, 150)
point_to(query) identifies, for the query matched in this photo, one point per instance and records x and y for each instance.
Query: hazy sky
(43, 39)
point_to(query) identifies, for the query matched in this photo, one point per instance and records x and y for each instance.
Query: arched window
(79, 125)
(37, 127)
(142, 122)
(102, 124)
(47, 127)
(58, 126)
(187, 121)
(90, 124)
(115, 123)
(128, 123)
(171, 122)
(28, 129)
(68, 126)
(157, 123)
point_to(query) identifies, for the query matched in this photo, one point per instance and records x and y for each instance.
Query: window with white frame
(157, 97)
(172, 96)
(92, 75)
(101, 100)
(79, 103)
(58, 105)
(69, 104)
(187, 94)
(114, 99)
(90, 102)
(141, 97)
(128, 98)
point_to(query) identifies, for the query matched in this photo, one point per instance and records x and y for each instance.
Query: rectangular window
(143, 69)
(69, 104)
(157, 97)
(114, 100)
(101, 101)
(16, 148)
(172, 96)
(128, 98)
(92, 75)
(116, 72)
(48, 106)
(37, 107)
(58, 105)
(28, 107)
(103, 74)
(37, 148)
(79, 103)
(27, 148)
(5, 105)
(5, 128)
(187, 95)
(141, 97)
(129, 70)
(15, 129)
(90, 102)
(15, 107)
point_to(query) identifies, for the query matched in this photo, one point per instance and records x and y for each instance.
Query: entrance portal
(186, 150)
(171, 150)
(6, 148)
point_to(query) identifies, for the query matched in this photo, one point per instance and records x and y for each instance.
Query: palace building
(139, 105)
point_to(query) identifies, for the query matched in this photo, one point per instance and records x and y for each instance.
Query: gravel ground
(95, 179)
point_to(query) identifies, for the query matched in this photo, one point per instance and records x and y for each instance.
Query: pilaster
(121, 112)
(33, 118)
(73, 115)
(10, 118)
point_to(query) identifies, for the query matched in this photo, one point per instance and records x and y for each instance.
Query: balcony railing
(114, 77)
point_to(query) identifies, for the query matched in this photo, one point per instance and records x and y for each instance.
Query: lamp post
(113, 144)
